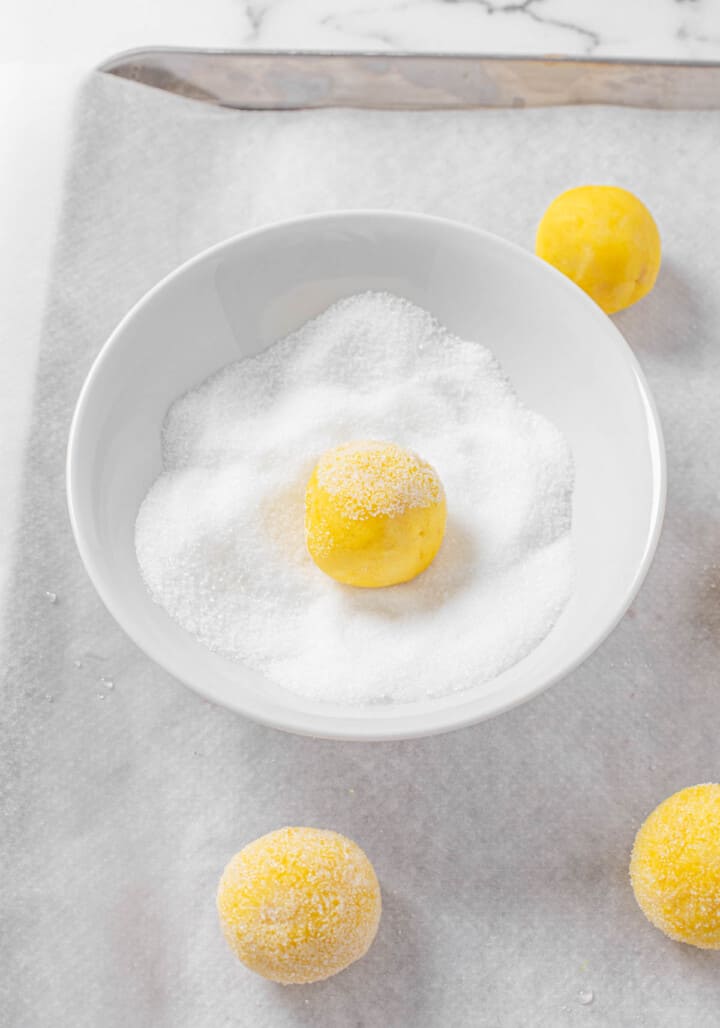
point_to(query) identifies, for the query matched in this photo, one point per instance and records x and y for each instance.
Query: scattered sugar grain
(220, 535)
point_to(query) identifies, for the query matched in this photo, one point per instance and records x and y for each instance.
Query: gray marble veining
(687, 29)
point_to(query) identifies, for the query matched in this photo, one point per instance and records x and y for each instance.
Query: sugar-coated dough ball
(675, 866)
(299, 904)
(374, 514)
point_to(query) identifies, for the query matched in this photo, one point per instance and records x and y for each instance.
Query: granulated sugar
(220, 535)
(404, 483)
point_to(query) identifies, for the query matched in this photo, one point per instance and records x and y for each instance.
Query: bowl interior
(565, 358)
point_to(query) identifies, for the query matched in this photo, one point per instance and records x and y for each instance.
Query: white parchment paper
(502, 850)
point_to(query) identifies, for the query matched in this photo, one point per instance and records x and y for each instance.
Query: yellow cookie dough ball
(374, 514)
(299, 904)
(675, 866)
(605, 240)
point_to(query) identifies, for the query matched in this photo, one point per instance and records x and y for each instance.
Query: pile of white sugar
(220, 535)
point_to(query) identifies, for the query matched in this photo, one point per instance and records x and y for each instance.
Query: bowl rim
(366, 730)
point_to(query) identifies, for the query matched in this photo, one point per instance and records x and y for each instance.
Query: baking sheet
(502, 850)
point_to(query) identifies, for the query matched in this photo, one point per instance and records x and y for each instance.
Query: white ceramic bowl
(565, 357)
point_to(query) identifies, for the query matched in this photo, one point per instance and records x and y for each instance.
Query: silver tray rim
(260, 79)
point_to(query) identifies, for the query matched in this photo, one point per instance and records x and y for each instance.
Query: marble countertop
(40, 31)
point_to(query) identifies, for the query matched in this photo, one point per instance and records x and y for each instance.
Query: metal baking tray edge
(297, 80)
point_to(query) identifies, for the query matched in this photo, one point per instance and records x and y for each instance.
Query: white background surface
(36, 110)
